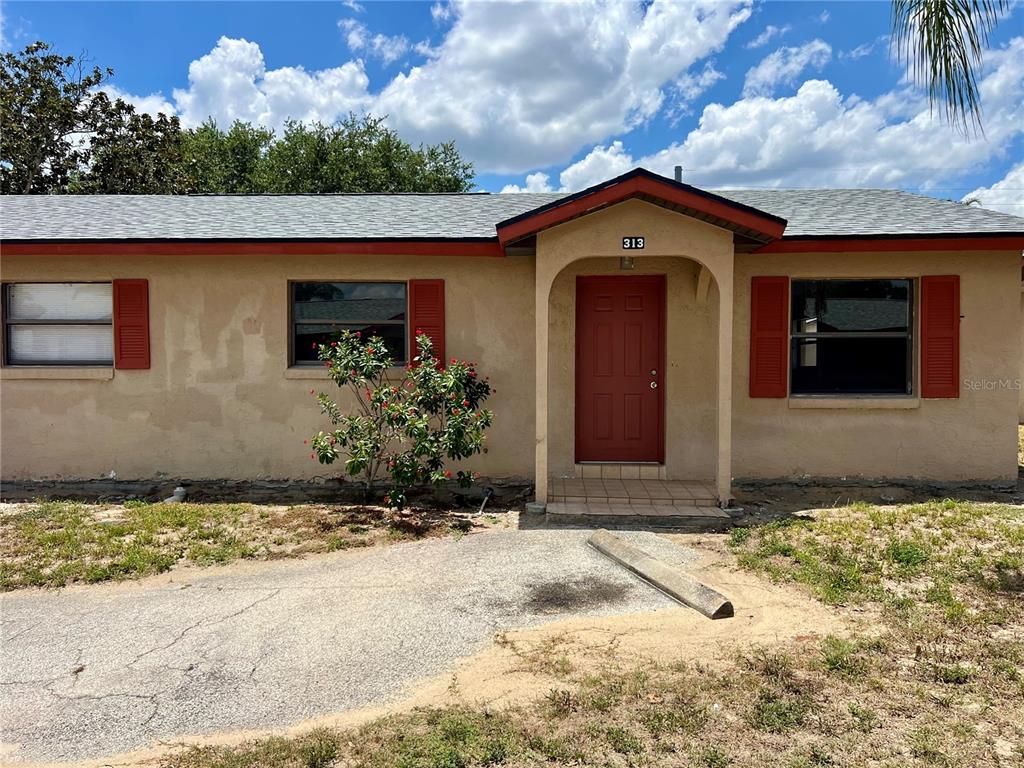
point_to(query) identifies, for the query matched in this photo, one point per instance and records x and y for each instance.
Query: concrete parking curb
(671, 581)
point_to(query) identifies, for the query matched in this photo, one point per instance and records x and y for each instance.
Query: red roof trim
(891, 244)
(631, 185)
(488, 248)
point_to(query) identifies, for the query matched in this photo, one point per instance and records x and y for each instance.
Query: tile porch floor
(617, 497)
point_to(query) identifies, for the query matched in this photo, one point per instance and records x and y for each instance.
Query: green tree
(48, 106)
(360, 154)
(62, 133)
(216, 161)
(944, 41)
(134, 154)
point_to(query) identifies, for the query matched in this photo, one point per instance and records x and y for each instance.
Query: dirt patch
(580, 595)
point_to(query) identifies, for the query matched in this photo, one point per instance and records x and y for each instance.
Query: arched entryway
(681, 288)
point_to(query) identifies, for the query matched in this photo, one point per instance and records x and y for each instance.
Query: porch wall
(689, 379)
(972, 437)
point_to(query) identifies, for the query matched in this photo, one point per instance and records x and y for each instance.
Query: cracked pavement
(95, 671)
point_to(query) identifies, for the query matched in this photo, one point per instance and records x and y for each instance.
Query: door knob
(654, 373)
(654, 385)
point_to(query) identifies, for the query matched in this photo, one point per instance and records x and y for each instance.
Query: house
(639, 329)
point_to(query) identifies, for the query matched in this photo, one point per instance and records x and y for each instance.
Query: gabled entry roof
(745, 220)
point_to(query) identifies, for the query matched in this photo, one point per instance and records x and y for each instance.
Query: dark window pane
(854, 366)
(849, 306)
(306, 334)
(350, 302)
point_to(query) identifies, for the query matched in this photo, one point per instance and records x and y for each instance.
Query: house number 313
(632, 243)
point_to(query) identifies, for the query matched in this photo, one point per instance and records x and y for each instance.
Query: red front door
(620, 353)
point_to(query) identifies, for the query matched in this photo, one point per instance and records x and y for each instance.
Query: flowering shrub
(405, 432)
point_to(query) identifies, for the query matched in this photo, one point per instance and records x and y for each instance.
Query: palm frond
(943, 42)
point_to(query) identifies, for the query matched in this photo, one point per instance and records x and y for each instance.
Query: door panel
(620, 351)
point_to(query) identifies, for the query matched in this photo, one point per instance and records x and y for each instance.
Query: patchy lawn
(55, 543)
(935, 679)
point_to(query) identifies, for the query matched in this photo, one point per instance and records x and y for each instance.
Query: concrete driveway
(90, 672)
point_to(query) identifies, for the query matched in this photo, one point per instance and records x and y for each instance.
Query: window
(320, 311)
(851, 337)
(58, 324)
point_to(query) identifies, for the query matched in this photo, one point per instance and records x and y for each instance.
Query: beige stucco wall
(216, 402)
(219, 401)
(969, 438)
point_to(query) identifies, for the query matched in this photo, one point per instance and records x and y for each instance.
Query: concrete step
(689, 518)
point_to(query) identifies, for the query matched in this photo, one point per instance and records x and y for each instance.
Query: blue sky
(556, 95)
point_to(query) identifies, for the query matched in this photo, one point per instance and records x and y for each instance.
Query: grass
(935, 679)
(56, 543)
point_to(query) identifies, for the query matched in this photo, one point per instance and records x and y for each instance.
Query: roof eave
(973, 241)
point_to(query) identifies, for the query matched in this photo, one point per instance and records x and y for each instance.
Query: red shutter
(426, 314)
(131, 324)
(940, 336)
(769, 337)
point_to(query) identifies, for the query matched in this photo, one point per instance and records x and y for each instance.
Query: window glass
(850, 306)
(851, 337)
(58, 324)
(321, 311)
(41, 344)
(59, 301)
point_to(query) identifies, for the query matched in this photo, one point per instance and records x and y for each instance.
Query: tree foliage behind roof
(62, 134)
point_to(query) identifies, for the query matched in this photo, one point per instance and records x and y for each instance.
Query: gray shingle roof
(851, 212)
(261, 217)
(810, 213)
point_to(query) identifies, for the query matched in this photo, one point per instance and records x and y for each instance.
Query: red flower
(465, 403)
(472, 374)
(305, 442)
(312, 455)
(447, 473)
(312, 391)
(314, 345)
(359, 335)
(327, 363)
(334, 343)
(369, 350)
(453, 361)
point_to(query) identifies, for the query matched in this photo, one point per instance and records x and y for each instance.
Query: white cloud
(824, 16)
(522, 85)
(153, 104)
(818, 137)
(691, 86)
(232, 82)
(440, 12)
(353, 6)
(1006, 195)
(517, 85)
(864, 49)
(600, 164)
(859, 52)
(387, 48)
(770, 33)
(784, 66)
(535, 182)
